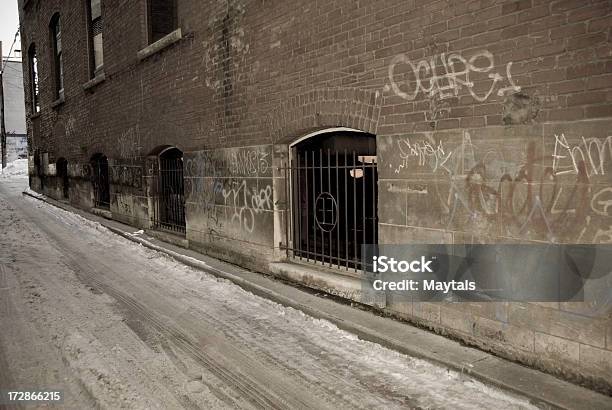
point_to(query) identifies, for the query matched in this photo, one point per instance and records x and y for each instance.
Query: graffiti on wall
(230, 190)
(594, 153)
(129, 143)
(559, 195)
(126, 175)
(443, 76)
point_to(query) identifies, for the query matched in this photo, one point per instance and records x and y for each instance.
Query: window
(96, 54)
(33, 71)
(56, 49)
(162, 18)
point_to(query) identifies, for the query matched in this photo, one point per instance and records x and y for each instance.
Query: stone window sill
(160, 44)
(61, 100)
(98, 79)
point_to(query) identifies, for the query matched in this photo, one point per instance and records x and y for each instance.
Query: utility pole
(2, 124)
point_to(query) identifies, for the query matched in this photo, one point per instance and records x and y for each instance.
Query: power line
(11, 49)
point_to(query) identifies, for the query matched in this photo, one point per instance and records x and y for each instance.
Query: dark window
(94, 24)
(56, 48)
(33, 68)
(162, 18)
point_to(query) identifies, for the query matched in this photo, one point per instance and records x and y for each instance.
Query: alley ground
(116, 325)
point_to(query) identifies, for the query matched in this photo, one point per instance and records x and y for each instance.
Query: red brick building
(247, 127)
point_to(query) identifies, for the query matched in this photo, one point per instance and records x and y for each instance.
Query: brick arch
(324, 108)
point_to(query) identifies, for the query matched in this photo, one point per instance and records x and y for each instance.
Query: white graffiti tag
(243, 210)
(594, 153)
(424, 152)
(447, 77)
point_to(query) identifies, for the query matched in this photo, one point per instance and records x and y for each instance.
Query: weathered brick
(600, 24)
(533, 13)
(588, 40)
(566, 114)
(515, 6)
(568, 31)
(565, 5)
(548, 76)
(567, 86)
(516, 30)
(590, 97)
(600, 81)
(555, 47)
(596, 111)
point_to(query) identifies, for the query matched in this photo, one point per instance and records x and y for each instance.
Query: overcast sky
(9, 22)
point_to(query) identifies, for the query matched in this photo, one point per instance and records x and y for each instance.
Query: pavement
(543, 390)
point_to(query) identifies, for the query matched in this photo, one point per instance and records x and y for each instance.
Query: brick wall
(482, 109)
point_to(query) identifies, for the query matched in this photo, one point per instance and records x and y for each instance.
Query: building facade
(283, 135)
(14, 110)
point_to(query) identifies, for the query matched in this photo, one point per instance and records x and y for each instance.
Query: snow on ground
(15, 169)
(137, 329)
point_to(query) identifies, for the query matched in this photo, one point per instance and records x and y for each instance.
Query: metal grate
(100, 181)
(333, 208)
(170, 205)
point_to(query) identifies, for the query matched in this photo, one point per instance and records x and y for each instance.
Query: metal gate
(333, 206)
(62, 174)
(100, 181)
(170, 208)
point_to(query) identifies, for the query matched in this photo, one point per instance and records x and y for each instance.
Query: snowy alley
(116, 325)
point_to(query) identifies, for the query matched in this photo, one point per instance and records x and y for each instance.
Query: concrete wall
(492, 120)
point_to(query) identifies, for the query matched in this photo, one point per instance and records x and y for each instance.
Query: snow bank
(15, 169)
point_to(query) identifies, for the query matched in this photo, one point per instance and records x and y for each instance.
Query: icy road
(115, 325)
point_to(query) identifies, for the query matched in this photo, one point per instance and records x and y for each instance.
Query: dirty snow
(15, 169)
(118, 325)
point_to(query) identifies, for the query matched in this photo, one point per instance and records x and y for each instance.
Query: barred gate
(169, 212)
(100, 181)
(333, 206)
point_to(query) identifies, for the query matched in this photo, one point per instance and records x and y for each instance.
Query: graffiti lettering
(446, 78)
(594, 152)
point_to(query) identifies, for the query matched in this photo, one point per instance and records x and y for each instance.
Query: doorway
(62, 175)
(170, 213)
(334, 182)
(100, 181)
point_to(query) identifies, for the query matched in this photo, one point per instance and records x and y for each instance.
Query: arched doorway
(171, 192)
(100, 181)
(334, 183)
(62, 175)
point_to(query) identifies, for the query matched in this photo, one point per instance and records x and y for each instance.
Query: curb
(362, 332)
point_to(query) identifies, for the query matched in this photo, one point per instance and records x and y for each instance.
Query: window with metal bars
(333, 212)
(33, 68)
(161, 18)
(57, 55)
(95, 25)
(100, 181)
(169, 213)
